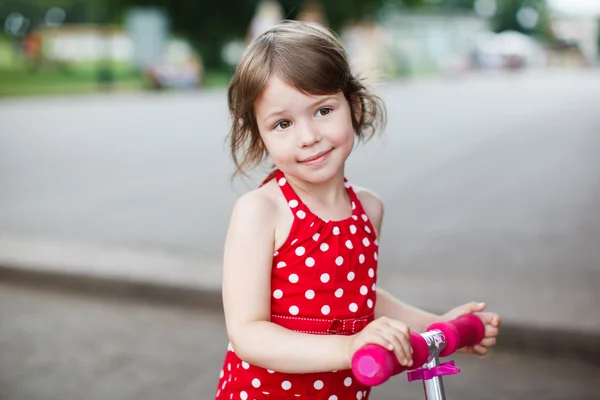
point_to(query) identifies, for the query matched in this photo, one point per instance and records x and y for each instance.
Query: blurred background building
(76, 45)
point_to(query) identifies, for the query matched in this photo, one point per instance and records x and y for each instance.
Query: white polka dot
(311, 224)
(364, 290)
(336, 230)
(354, 217)
(286, 385)
(347, 184)
(270, 371)
(339, 293)
(370, 303)
(361, 258)
(371, 272)
(352, 229)
(310, 294)
(282, 181)
(281, 264)
(300, 251)
(223, 385)
(375, 256)
(256, 382)
(325, 310)
(364, 217)
(333, 397)
(245, 365)
(348, 381)
(293, 203)
(278, 294)
(294, 310)
(310, 262)
(318, 385)
(221, 374)
(349, 244)
(366, 242)
(294, 278)
(353, 205)
(294, 241)
(301, 214)
(230, 347)
(353, 307)
(359, 395)
(376, 242)
(228, 367)
(339, 260)
(373, 287)
(324, 247)
(367, 229)
(350, 276)
(275, 254)
(325, 278)
(316, 237)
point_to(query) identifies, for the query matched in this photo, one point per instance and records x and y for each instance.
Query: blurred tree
(527, 16)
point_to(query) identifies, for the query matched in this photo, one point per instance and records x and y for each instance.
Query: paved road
(485, 179)
(59, 346)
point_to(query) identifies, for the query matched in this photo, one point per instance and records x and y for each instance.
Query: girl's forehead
(278, 93)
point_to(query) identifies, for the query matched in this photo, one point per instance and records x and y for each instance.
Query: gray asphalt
(490, 182)
(62, 346)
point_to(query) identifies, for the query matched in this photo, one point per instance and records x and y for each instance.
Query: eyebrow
(279, 113)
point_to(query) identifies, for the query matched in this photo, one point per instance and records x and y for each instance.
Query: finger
(402, 332)
(480, 350)
(486, 317)
(398, 348)
(467, 308)
(375, 338)
(488, 342)
(496, 320)
(490, 331)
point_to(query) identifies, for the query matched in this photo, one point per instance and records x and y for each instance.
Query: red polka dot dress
(323, 283)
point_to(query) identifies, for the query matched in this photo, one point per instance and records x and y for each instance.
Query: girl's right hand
(388, 333)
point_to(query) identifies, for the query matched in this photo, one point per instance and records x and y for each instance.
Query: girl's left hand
(489, 319)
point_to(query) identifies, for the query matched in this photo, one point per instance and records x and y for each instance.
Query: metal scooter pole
(434, 387)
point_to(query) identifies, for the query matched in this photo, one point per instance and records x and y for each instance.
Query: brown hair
(309, 58)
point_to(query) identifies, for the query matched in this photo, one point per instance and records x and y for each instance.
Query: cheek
(280, 150)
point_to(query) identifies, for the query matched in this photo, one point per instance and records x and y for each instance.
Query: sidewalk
(155, 275)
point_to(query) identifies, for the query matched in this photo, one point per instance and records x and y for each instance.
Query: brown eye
(283, 125)
(323, 111)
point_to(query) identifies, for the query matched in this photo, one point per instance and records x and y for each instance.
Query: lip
(316, 157)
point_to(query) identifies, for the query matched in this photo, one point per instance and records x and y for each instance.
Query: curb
(186, 280)
(514, 337)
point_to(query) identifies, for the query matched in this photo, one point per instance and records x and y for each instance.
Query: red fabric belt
(323, 326)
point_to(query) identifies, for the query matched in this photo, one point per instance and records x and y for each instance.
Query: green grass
(70, 79)
(80, 79)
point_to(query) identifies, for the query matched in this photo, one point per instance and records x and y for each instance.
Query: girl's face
(307, 136)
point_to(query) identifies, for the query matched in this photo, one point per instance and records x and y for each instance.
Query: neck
(327, 193)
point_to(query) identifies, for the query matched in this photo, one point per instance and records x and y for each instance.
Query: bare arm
(247, 299)
(387, 305)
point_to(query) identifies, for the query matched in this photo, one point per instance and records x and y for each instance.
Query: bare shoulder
(372, 204)
(256, 206)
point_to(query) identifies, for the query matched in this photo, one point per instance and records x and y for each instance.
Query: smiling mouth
(316, 156)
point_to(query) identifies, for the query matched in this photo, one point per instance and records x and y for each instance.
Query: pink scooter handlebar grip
(372, 364)
(466, 330)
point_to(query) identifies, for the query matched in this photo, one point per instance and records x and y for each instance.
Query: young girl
(300, 262)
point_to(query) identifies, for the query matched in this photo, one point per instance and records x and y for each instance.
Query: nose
(309, 135)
